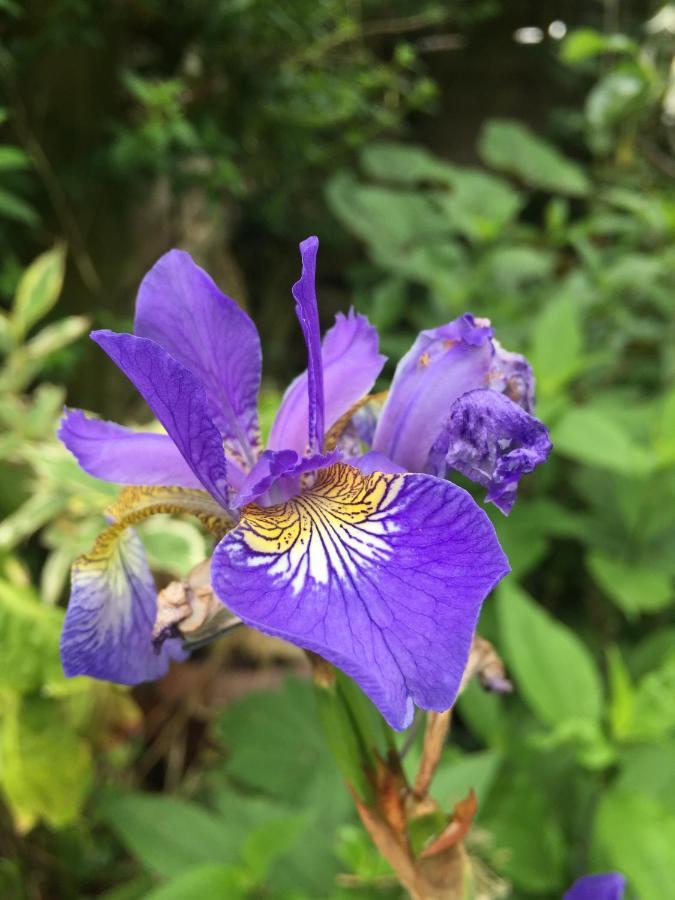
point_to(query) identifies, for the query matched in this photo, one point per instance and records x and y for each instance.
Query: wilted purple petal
(493, 441)
(383, 576)
(307, 311)
(178, 400)
(597, 887)
(180, 308)
(511, 374)
(108, 626)
(114, 453)
(442, 365)
(277, 474)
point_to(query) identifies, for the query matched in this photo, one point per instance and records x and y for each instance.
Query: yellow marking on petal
(336, 526)
(137, 503)
(449, 343)
(424, 360)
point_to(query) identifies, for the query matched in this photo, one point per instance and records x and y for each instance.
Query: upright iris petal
(460, 401)
(349, 361)
(597, 887)
(382, 575)
(180, 308)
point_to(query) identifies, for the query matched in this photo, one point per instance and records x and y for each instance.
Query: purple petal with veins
(114, 453)
(178, 400)
(382, 575)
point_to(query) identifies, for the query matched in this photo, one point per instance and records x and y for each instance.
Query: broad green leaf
(513, 148)
(557, 342)
(29, 518)
(45, 768)
(613, 99)
(29, 640)
(206, 882)
(634, 588)
(526, 840)
(29, 358)
(587, 43)
(634, 833)
(276, 747)
(654, 703)
(396, 218)
(554, 672)
(38, 290)
(169, 835)
(404, 163)
(478, 205)
(589, 435)
(12, 158)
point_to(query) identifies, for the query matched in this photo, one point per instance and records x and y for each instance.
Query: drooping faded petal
(278, 473)
(114, 453)
(597, 887)
(351, 364)
(442, 364)
(181, 309)
(179, 401)
(493, 441)
(381, 575)
(108, 626)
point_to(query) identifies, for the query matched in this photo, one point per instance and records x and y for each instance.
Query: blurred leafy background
(452, 156)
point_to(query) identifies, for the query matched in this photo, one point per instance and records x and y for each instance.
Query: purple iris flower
(459, 401)
(597, 887)
(378, 570)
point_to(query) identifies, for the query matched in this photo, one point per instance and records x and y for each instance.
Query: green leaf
(13, 207)
(587, 43)
(557, 343)
(635, 834)
(38, 290)
(513, 148)
(45, 768)
(612, 101)
(590, 435)
(207, 882)
(404, 163)
(12, 158)
(457, 774)
(169, 835)
(29, 640)
(553, 670)
(634, 588)
(173, 546)
(526, 839)
(479, 205)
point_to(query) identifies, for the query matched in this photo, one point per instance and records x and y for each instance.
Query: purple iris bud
(379, 571)
(460, 401)
(597, 887)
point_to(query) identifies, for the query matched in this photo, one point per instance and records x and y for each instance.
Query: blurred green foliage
(289, 113)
